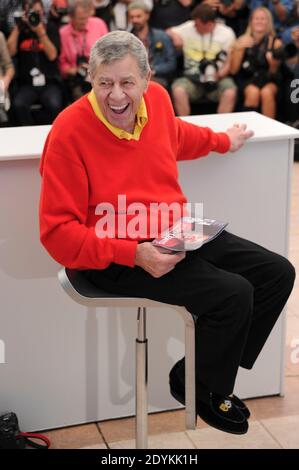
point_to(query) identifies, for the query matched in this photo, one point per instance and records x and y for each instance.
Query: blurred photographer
(77, 37)
(291, 52)
(206, 46)
(8, 9)
(168, 13)
(104, 10)
(120, 13)
(6, 74)
(161, 52)
(253, 59)
(282, 11)
(234, 13)
(35, 45)
(59, 12)
(289, 55)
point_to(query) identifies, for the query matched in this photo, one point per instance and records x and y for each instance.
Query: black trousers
(236, 290)
(49, 96)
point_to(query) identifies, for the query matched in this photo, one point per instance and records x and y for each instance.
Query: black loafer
(177, 375)
(220, 412)
(240, 405)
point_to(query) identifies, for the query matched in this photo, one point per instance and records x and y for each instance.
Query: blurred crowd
(211, 55)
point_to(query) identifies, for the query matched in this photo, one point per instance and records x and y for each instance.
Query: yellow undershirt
(141, 119)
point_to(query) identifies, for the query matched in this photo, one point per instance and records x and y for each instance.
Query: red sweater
(84, 164)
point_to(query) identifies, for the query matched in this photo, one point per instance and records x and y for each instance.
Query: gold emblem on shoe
(225, 406)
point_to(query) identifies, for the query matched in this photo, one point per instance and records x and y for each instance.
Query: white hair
(115, 46)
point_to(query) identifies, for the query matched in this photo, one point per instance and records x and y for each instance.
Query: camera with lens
(208, 73)
(289, 51)
(208, 70)
(33, 18)
(256, 61)
(82, 62)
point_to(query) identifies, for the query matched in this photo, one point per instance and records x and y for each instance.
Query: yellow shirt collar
(141, 119)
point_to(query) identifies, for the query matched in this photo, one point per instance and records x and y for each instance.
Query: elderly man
(123, 139)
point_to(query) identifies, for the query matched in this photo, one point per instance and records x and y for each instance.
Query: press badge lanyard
(203, 49)
(38, 78)
(78, 45)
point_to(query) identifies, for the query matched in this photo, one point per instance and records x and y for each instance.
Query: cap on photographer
(206, 46)
(36, 46)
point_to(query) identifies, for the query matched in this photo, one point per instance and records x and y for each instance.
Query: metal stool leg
(141, 380)
(190, 373)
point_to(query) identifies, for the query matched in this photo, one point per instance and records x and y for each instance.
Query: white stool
(85, 293)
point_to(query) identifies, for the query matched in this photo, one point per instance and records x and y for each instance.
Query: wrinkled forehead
(124, 68)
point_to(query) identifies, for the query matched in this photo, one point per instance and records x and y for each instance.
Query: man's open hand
(238, 135)
(154, 262)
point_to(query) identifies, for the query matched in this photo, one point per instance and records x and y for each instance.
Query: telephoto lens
(33, 18)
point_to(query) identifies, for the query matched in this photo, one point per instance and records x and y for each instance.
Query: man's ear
(147, 79)
(90, 76)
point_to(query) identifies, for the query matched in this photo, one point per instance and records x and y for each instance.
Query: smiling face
(119, 87)
(260, 22)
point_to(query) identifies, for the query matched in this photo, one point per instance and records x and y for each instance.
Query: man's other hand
(238, 135)
(154, 262)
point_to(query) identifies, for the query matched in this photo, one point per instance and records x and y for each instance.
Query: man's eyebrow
(127, 77)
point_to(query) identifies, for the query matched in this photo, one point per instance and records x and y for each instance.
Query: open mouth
(119, 109)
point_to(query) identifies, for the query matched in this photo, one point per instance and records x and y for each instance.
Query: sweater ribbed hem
(223, 143)
(124, 252)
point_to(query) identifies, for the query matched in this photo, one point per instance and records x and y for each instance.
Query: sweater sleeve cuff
(223, 144)
(125, 251)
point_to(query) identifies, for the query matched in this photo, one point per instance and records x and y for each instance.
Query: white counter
(18, 143)
(264, 128)
(21, 143)
(65, 364)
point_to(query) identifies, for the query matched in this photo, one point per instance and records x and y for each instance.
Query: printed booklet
(189, 233)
